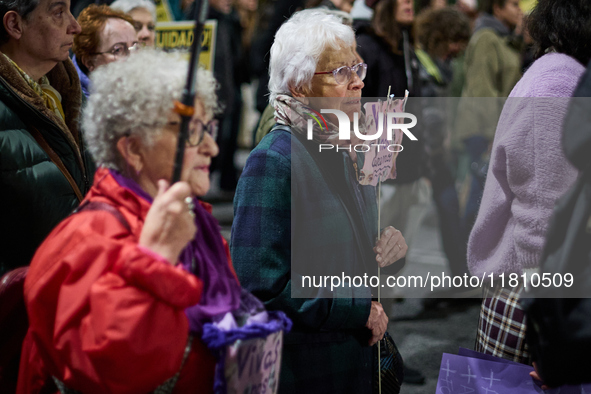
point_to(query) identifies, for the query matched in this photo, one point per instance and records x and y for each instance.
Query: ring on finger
(399, 247)
(190, 205)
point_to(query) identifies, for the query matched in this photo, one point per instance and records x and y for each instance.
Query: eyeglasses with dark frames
(342, 75)
(197, 133)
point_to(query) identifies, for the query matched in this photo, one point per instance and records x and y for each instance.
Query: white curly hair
(298, 46)
(134, 96)
(129, 5)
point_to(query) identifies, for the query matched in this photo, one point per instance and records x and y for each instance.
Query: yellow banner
(163, 12)
(527, 6)
(179, 36)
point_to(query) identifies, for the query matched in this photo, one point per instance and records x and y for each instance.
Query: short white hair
(298, 46)
(134, 96)
(130, 5)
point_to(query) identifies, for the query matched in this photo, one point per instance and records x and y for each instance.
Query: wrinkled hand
(536, 376)
(169, 224)
(391, 247)
(377, 322)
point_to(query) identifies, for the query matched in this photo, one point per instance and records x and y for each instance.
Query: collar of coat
(64, 79)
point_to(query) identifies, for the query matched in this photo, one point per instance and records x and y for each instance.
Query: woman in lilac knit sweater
(528, 171)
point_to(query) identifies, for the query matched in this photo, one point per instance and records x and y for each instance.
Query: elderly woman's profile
(295, 208)
(118, 293)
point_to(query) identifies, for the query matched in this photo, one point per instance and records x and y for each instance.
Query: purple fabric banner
(481, 356)
(484, 374)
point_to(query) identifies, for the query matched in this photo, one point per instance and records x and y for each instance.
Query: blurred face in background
(145, 26)
(116, 39)
(510, 14)
(405, 13)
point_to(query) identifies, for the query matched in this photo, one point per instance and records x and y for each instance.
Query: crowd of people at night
(114, 274)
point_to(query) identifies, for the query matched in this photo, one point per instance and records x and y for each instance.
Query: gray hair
(22, 7)
(134, 96)
(299, 44)
(130, 5)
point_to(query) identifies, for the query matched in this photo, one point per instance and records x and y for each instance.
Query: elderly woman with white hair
(143, 13)
(297, 211)
(119, 291)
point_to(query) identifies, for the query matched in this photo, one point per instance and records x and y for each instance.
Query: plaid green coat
(287, 218)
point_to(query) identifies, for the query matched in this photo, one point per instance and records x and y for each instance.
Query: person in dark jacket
(227, 71)
(566, 241)
(276, 13)
(44, 172)
(441, 35)
(297, 211)
(386, 46)
(392, 66)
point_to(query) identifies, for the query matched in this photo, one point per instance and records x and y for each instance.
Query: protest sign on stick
(379, 161)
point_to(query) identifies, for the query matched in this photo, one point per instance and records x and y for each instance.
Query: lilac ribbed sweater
(528, 171)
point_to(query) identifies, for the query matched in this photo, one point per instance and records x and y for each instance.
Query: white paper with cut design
(253, 366)
(379, 162)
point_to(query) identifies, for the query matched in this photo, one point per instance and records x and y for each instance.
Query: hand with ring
(391, 247)
(169, 224)
(190, 206)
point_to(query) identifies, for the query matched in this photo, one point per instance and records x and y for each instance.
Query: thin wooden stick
(380, 268)
(379, 286)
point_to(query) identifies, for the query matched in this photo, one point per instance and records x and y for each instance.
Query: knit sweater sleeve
(527, 174)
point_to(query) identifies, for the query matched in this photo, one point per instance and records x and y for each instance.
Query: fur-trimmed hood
(64, 79)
